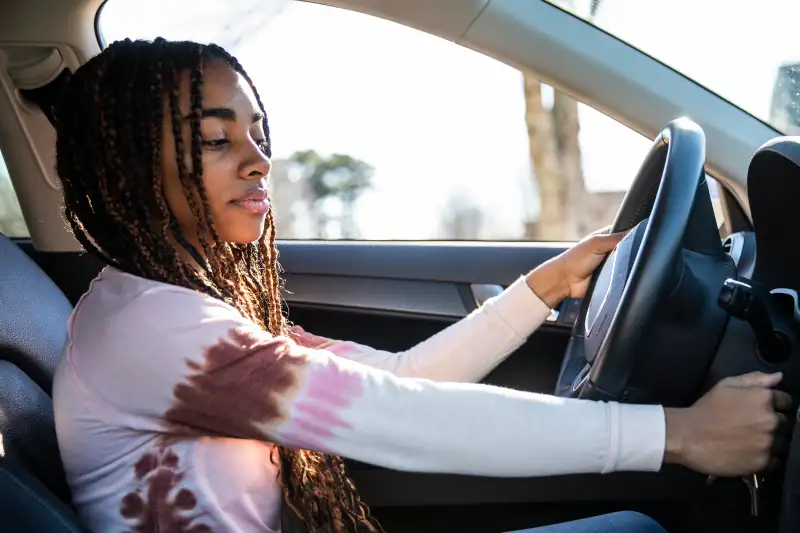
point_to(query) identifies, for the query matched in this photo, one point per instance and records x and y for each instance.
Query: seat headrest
(33, 316)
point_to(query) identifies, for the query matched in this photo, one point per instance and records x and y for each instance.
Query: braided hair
(108, 157)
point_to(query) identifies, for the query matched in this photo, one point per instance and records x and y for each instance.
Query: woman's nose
(258, 165)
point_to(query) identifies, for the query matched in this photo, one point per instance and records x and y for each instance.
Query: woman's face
(235, 167)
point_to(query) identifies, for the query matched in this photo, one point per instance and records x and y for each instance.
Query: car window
(409, 138)
(12, 223)
(746, 51)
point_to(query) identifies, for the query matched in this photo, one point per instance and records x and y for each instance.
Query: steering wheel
(647, 278)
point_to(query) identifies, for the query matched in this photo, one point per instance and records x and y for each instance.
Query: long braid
(319, 470)
(109, 159)
(186, 177)
(80, 210)
(223, 264)
(168, 256)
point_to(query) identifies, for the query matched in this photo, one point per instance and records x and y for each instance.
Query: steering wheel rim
(657, 211)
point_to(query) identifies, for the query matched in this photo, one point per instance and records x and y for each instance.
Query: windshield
(746, 51)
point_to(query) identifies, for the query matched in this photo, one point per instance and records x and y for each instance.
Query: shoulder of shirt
(148, 302)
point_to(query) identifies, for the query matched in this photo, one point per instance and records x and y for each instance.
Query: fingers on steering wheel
(602, 231)
(783, 423)
(606, 232)
(602, 242)
(752, 379)
(781, 400)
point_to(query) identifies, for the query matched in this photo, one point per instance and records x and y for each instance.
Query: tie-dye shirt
(168, 402)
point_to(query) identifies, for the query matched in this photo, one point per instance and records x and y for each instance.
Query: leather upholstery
(26, 423)
(33, 322)
(33, 316)
(26, 506)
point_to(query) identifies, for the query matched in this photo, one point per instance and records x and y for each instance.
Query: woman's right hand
(731, 431)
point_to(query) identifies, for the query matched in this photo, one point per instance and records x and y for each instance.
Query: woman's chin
(243, 235)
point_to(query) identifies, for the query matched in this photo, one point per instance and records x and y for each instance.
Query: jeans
(624, 522)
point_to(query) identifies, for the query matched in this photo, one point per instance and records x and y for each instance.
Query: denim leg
(623, 522)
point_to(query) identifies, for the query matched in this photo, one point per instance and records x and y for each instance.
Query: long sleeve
(463, 352)
(208, 371)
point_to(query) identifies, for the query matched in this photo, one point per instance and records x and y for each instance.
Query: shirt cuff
(638, 437)
(520, 308)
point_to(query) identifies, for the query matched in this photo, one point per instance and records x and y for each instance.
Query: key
(752, 486)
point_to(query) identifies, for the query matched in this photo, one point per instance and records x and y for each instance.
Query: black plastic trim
(453, 262)
(393, 295)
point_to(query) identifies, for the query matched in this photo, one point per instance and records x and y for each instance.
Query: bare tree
(546, 165)
(568, 210)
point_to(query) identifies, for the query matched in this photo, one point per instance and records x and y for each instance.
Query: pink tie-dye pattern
(344, 349)
(309, 340)
(329, 391)
(334, 386)
(306, 339)
(320, 412)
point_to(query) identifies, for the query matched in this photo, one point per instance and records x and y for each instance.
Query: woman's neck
(187, 256)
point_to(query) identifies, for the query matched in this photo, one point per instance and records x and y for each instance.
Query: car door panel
(422, 298)
(392, 296)
(415, 290)
(450, 262)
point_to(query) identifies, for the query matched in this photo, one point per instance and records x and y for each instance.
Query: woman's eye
(215, 144)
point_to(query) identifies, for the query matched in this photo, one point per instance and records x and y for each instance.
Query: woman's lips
(254, 205)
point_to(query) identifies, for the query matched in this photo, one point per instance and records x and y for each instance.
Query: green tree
(338, 176)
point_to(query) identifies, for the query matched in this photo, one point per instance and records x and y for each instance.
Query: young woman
(183, 387)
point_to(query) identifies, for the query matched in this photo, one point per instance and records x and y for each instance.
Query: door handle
(484, 291)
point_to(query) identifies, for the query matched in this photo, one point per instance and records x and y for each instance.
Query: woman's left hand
(567, 275)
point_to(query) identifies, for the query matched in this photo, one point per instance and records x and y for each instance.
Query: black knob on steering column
(748, 302)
